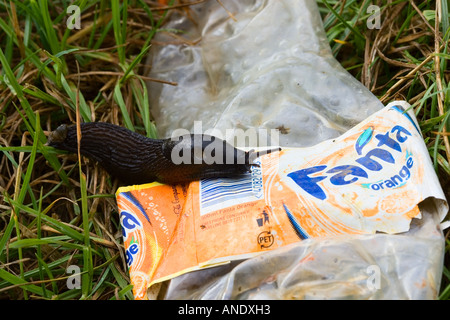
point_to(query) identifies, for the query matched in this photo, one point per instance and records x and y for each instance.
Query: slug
(136, 159)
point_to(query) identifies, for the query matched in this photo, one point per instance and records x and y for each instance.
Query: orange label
(371, 179)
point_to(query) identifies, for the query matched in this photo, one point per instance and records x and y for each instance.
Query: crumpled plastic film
(380, 266)
(269, 66)
(272, 68)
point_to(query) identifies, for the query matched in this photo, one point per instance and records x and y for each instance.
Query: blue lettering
(347, 174)
(389, 184)
(375, 186)
(129, 258)
(344, 171)
(129, 222)
(134, 248)
(131, 251)
(384, 139)
(409, 162)
(307, 183)
(399, 130)
(371, 164)
(405, 173)
(396, 179)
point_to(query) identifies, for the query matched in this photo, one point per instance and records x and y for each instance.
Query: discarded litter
(351, 206)
(371, 179)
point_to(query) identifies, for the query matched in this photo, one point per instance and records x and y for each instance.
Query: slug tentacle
(136, 159)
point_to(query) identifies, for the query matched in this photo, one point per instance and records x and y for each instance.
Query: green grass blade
(50, 33)
(60, 241)
(71, 91)
(64, 228)
(41, 264)
(23, 190)
(123, 283)
(29, 170)
(5, 237)
(10, 79)
(119, 100)
(14, 86)
(86, 284)
(30, 47)
(15, 280)
(56, 267)
(125, 292)
(338, 16)
(133, 65)
(118, 30)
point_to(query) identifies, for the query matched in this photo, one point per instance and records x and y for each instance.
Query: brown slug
(136, 159)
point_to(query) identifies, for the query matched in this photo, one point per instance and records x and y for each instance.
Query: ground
(55, 213)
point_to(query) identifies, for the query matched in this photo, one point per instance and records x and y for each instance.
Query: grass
(58, 210)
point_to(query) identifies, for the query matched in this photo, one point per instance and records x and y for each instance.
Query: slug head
(57, 137)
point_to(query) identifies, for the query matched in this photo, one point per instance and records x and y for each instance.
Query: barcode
(219, 193)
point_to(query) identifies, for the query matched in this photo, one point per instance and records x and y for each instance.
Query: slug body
(136, 159)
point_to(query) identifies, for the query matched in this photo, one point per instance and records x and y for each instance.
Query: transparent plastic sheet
(272, 68)
(380, 266)
(269, 66)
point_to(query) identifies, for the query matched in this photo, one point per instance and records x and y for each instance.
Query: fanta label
(371, 179)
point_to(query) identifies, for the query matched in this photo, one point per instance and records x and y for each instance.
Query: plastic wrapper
(378, 266)
(269, 66)
(272, 68)
(370, 179)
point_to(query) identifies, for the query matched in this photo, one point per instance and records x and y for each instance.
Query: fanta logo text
(132, 250)
(129, 223)
(396, 180)
(308, 179)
